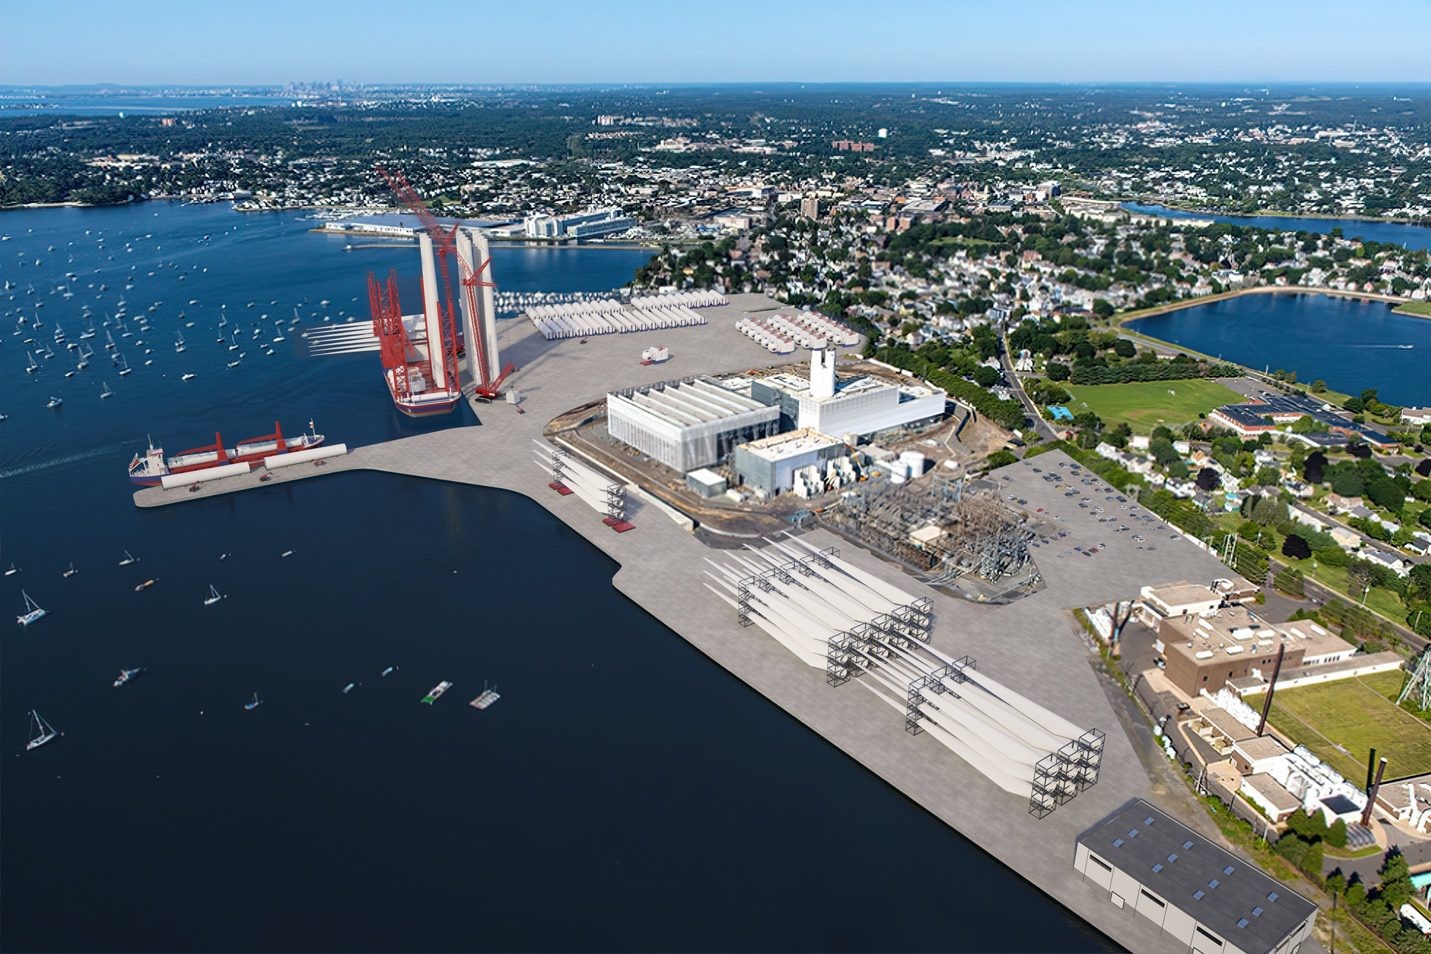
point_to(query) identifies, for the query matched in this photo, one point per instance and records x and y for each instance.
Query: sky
(265, 42)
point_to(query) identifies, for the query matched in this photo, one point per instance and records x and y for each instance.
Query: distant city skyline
(264, 42)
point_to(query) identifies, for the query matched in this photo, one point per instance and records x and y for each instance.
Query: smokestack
(822, 373)
(1271, 688)
(1371, 793)
(1370, 768)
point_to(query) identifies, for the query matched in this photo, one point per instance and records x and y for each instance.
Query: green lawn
(1357, 715)
(1422, 308)
(1146, 404)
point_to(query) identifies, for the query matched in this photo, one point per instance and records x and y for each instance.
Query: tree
(1102, 308)
(1000, 458)
(1314, 467)
(1395, 888)
(1162, 450)
(1268, 476)
(1124, 348)
(1387, 493)
(1295, 547)
(1348, 483)
(1208, 479)
(1337, 834)
(1057, 371)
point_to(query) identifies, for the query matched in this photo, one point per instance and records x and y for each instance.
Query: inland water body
(1348, 343)
(626, 793)
(1371, 230)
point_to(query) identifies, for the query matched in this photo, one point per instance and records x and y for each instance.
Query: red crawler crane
(484, 386)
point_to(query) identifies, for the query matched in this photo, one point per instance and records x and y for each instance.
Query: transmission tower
(1419, 683)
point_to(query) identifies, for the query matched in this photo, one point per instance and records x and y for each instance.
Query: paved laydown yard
(1147, 404)
(1341, 720)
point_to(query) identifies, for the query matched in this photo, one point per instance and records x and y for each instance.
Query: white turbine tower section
(471, 323)
(432, 318)
(487, 309)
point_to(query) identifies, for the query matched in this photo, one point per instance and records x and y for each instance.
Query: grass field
(1421, 308)
(1146, 404)
(1341, 720)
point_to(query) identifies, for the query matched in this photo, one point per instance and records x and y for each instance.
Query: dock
(1032, 644)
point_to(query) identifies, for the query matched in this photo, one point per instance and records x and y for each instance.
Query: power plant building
(687, 425)
(856, 407)
(769, 465)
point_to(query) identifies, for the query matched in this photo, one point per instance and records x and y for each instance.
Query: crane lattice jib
(388, 328)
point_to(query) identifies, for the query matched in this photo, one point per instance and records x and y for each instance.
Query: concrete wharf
(1031, 645)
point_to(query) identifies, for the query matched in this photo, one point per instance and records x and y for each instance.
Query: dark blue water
(625, 793)
(1348, 343)
(1371, 230)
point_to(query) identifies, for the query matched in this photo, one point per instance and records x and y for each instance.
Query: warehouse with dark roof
(1197, 892)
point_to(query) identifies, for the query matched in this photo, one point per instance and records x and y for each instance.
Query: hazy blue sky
(562, 41)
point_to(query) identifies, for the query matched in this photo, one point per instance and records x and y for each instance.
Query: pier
(1031, 645)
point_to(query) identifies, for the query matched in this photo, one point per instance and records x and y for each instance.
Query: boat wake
(1398, 347)
(23, 469)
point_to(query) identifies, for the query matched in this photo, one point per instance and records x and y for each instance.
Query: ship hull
(232, 456)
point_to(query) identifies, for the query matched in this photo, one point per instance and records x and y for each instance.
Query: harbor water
(624, 793)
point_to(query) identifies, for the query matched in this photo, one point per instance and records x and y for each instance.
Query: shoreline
(1119, 321)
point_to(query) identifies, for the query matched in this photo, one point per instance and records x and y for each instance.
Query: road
(1320, 594)
(1041, 427)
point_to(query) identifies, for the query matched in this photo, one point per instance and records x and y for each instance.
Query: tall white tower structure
(822, 373)
(479, 309)
(432, 317)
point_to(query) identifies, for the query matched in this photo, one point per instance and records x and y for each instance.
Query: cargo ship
(151, 467)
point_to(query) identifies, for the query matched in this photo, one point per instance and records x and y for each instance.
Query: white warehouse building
(857, 407)
(687, 425)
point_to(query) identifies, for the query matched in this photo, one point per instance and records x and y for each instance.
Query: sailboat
(54, 402)
(128, 559)
(253, 703)
(106, 392)
(40, 731)
(33, 611)
(109, 344)
(124, 368)
(213, 597)
(179, 345)
(69, 571)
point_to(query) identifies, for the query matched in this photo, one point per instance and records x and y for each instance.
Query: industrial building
(1197, 892)
(1208, 650)
(769, 465)
(688, 424)
(852, 408)
(578, 225)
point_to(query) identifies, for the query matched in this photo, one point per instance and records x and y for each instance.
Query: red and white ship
(152, 466)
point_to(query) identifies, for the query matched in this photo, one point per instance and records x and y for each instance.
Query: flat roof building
(687, 425)
(769, 465)
(855, 407)
(1208, 650)
(1197, 892)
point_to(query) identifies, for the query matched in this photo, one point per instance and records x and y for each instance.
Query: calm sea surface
(625, 793)
(1350, 344)
(1411, 236)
